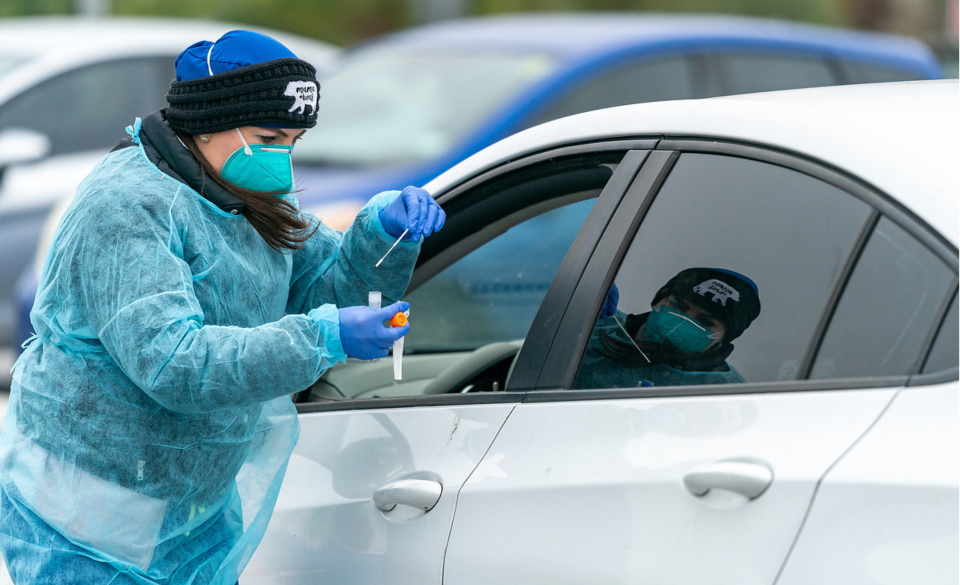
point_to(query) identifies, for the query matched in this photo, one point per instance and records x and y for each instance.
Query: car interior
(479, 282)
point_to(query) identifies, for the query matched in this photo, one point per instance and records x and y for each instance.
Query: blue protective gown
(150, 422)
(599, 370)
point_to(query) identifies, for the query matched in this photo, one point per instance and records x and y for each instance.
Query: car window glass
(650, 80)
(787, 232)
(493, 293)
(480, 281)
(945, 352)
(747, 72)
(856, 72)
(89, 108)
(887, 309)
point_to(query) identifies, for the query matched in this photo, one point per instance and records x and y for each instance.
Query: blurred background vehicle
(68, 87)
(399, 109)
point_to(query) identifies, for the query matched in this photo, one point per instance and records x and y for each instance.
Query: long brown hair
(278, 222)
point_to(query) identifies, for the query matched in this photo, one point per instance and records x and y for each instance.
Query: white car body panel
(326, 528)
(874, 131)
(592, 491)
(889, 512)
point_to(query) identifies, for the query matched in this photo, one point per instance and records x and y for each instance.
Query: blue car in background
(401, 109)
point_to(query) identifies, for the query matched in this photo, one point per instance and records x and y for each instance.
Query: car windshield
(394, 107)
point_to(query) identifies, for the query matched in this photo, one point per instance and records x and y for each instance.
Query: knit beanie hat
(242, 79)
(730, 297)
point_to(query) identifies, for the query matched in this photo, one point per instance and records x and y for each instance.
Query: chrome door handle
(417, 493)
(745, 478)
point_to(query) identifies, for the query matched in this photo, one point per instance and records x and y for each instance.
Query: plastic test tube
(374, 299)
(398, 320)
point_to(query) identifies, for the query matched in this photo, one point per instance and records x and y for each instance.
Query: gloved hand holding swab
(413, 214)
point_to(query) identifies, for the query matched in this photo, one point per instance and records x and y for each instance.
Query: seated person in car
(685, 338)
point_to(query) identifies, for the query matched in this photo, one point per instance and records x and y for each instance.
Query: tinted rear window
(752, 72)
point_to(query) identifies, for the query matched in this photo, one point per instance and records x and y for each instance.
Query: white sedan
(500, 459)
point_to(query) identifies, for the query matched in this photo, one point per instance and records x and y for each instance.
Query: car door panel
(888, 511)
(326, 527)
(364, 434)
(603, 485)
(593, 491)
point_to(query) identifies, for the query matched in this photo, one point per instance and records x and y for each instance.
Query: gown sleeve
(136, 293)
(340, 268)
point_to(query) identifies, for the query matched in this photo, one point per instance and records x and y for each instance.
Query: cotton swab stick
(391, 248)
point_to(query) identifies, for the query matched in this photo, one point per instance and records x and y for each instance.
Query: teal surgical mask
(684, 333)
(261, 167)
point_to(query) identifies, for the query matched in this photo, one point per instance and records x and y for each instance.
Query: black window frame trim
(559, 373)
(440, 400)
(882, 204)
(572, 332)
(541, 155)
(836, 293)
(869, 194)
(531, 359)
(636, 151)
(932, 335)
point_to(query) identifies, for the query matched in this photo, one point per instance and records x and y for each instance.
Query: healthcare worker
(685, 338)
(184, 299)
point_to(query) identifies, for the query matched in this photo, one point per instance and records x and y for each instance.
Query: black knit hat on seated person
(729, 296)
(242, 79)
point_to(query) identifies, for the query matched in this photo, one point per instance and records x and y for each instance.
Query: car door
(700, 483)
(370, 492)
(889, 510)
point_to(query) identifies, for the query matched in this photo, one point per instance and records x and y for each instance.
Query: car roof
(901, 138)
(34, 37)
(580, 35)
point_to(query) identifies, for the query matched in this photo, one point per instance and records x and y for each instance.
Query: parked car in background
(68, 87)
(836, 462)
(400, 109)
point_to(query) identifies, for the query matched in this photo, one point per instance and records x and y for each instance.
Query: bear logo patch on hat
(720, 290)
(304, 93)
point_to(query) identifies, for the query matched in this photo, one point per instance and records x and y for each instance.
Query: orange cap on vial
(398, 320)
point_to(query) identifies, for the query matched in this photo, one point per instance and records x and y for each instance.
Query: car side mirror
(22, 145)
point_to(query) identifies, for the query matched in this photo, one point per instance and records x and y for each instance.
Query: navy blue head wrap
(242, 79)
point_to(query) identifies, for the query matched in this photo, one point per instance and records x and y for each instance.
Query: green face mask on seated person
(683, 332)
(260, 167)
